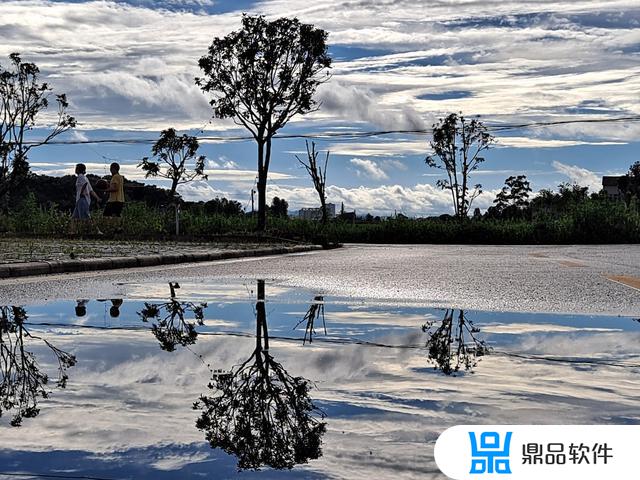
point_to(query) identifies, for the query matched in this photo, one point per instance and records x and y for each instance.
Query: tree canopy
(22, 98)
(262, 76)
(457, 144)
(176, 159)
(513, 200)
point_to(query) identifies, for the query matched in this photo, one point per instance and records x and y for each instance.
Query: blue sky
(128, 68)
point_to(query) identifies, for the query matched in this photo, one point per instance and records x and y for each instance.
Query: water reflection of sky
(126, 411)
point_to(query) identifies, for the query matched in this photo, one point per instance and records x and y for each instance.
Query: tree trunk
(262, 190)
(174, 187)
(261, 319)
(323, 203)
(264, 157)
(262, 202)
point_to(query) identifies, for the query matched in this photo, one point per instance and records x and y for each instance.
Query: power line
(345, 341)
(346, 135)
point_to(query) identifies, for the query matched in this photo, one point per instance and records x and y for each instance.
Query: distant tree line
(58, 192)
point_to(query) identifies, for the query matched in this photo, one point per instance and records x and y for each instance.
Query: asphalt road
(559, 279)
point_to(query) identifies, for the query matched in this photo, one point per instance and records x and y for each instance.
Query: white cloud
(396, 165)
(353, 102)
(223, 163)
(579, 175)
(199, 190)
(417, 200)
(381, 149)
(130, 171)
(532, 142)
(78, 135)
(509, 57)
(368, 168)
(130, 66)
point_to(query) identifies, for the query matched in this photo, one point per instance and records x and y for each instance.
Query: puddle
(182, 381)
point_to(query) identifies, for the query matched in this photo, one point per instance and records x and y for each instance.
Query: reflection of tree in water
(169, 325)
(259, 412)
(316, 310)
(452, 344)
(22, 381)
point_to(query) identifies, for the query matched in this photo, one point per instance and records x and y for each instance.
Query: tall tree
(177, 153)
(262, 76)
(22, 98)
(457, 144)
(318, 175)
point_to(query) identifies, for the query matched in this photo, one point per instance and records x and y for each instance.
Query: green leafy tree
(22, 99)
(457, 144)
(568, 197)
(176, 158)
(262, 76)
(629, 184)
(223, 206)
(513, 200)
(279, 207)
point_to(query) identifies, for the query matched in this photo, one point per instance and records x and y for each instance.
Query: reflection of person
(115, 202)
(114, 311)
(84, 192)
(81, 308)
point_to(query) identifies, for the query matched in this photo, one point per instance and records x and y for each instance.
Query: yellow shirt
(117, 182)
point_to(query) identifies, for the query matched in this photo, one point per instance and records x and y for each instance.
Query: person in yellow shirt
(115, 202)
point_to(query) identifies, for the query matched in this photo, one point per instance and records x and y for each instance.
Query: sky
(128, 69)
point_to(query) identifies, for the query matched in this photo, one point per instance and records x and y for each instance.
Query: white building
(316, 213)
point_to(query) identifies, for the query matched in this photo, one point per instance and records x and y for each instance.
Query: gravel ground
(555, 279)
(13, 250)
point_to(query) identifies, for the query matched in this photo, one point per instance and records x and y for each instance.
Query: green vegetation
(555, 218)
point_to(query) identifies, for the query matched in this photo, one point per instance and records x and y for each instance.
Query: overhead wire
(345, 135)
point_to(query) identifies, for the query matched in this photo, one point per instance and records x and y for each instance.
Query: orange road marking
(629, 281)
(572, 264)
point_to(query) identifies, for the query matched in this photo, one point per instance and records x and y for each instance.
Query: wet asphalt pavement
(555, 279)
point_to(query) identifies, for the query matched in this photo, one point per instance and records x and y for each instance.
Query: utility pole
(252, 194)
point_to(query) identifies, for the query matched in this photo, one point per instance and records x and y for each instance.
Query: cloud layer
(398, 65)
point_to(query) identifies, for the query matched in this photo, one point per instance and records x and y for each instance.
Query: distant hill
(60, 191)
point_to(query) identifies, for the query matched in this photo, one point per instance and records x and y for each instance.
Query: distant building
(611, 185)
(346, 216)
(349, 217)
(331, 210)
(316, 213)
